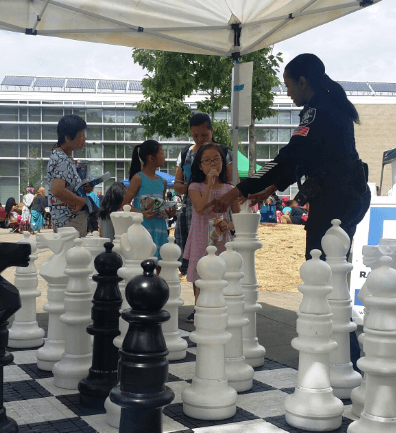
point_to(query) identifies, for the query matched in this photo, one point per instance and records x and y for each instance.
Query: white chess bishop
(343, 377)
(169, 264)
(313, 406)
(77, 358)
(379, 345)
(209, 397)
(121, 220)
(25, 332)
(53, 272)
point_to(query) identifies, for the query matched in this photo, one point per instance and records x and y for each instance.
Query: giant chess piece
(95, 245)
(343, 377)
(238, 372)
(209, 397)
(77, 357)
(143, 367)
(107, 301)
(53, 272)
(313, 406)
(136, 245)
(371, 256)
(11, 254)
(176, 345)
(25, 332)
(246, 243)
(121, 220)
(379, 363)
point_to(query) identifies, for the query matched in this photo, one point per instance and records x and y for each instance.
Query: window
(120, 151)
(243, 134)
(8, 186)
(110, 166)
(128, 151)
(273, 134)
(130, 115)
(94, 150)
(273, 151)
(47, 150)
(262, 134)
(9, 132)
(243, 148)
(23, 114)
(284, 135)
(109, 133)
(295, 117)
(120, 115)
(171, 167)
(94, 133)
(49, 132)
(95, 168)
(262, 151)
(8, 150)
(8, 114)
(109, 150)
(269, 120)
(174, 150)
(80, 112)
(120, 133)
(34, 132)
(109, 115)
(23, 132)
(34, 114)
(284, 117)
(79, 153)
(23, 150)
(221, 115)
(52, 114)
(94, 115)
(8, 168)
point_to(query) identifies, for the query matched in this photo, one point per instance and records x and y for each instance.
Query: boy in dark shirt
(295, 215)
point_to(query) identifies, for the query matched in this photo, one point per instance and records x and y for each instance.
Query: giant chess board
(39, 407)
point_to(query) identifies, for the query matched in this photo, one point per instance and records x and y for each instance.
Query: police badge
(308, 117)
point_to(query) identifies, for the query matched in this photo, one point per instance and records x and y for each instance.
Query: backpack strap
(184, 154)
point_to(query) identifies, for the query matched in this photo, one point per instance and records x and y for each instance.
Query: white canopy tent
(220, 27)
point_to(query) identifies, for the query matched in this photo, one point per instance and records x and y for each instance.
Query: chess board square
(37, 410)
(282, 378)
(72, 401)
(34, 372)
(190, 357)
(280, 422)
(175, 411)
(24, 356)
(255, 426)
(48, 384)
(177, 388)
(270, 365)
(73, 425)
(99, 424)
(13, 373)
(263, 404)
(257, 387)
(24, 390)
(183, 370)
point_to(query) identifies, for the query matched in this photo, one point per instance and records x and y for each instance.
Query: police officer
(322, 149)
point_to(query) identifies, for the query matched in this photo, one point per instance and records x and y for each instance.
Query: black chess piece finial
(143, 366)
(11, 254)
(107, 300)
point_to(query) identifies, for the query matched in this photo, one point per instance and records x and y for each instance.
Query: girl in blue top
(146, 157)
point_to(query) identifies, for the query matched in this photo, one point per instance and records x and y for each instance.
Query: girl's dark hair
(279, 206)
(70, 126)
(140, 154)
(112, 200)
(312, 68)
(197, 175)
(9, 203)
(200, 119)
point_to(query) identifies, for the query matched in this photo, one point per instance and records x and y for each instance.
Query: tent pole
(235, 122)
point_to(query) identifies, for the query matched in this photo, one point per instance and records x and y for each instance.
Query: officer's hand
(221, 204)
(259, 196)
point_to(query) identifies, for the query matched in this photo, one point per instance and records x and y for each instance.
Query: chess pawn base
(50, 354)
(113, 413)
(24, 335)
(220, 399)
(358, 396)
(307, 417)
(344, 379)
(71, 369)
(370, 424)
(176, 345)
(239, 374)
(7, 425)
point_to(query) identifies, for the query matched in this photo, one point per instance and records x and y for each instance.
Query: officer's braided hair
(312, 68)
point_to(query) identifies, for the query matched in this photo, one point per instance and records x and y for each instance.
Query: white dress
(27, 201)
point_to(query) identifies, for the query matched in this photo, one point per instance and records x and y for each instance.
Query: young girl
(208, 181)
(146, 157)
(111, 203)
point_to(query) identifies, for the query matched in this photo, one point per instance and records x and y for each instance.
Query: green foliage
(222, 133)
(32, 169)
(174, 76)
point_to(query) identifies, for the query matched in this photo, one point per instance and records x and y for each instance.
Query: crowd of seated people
(284, 211)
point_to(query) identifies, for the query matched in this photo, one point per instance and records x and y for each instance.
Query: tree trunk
(252, 147)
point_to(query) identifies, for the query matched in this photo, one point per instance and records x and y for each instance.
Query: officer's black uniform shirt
(323, 142)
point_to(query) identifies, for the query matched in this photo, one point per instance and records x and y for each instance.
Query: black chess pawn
(107, 300)
(143, 366)
(11, 254)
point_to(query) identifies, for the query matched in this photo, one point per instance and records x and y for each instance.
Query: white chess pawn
(343, 377)
(136, 245)
(209, 397)
(95, 245)
(25, 332)
(176, 345)
(379, 363)
(77, 358)
(246, 243)
(313, 406)
(238, 372)
(53, 272)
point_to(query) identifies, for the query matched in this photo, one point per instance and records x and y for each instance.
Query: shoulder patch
(301, 130)
(308, 117)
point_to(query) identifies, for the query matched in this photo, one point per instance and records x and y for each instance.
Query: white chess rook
(379, 363)
(53, 272)
(313, 406)
(25, 332)
(238, 372)
(343, 377)
(77, 358)
(246, 243)
(95, 245)
(169, 264)
(136, 245)
(209, 397)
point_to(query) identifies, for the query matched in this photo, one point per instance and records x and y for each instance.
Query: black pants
(350, 209)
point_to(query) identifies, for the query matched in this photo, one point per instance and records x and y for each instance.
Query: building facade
(30, 108)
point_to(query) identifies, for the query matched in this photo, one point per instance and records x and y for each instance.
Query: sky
(358, 47)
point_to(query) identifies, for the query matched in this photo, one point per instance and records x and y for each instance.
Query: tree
(174, 76)
(32, 170)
